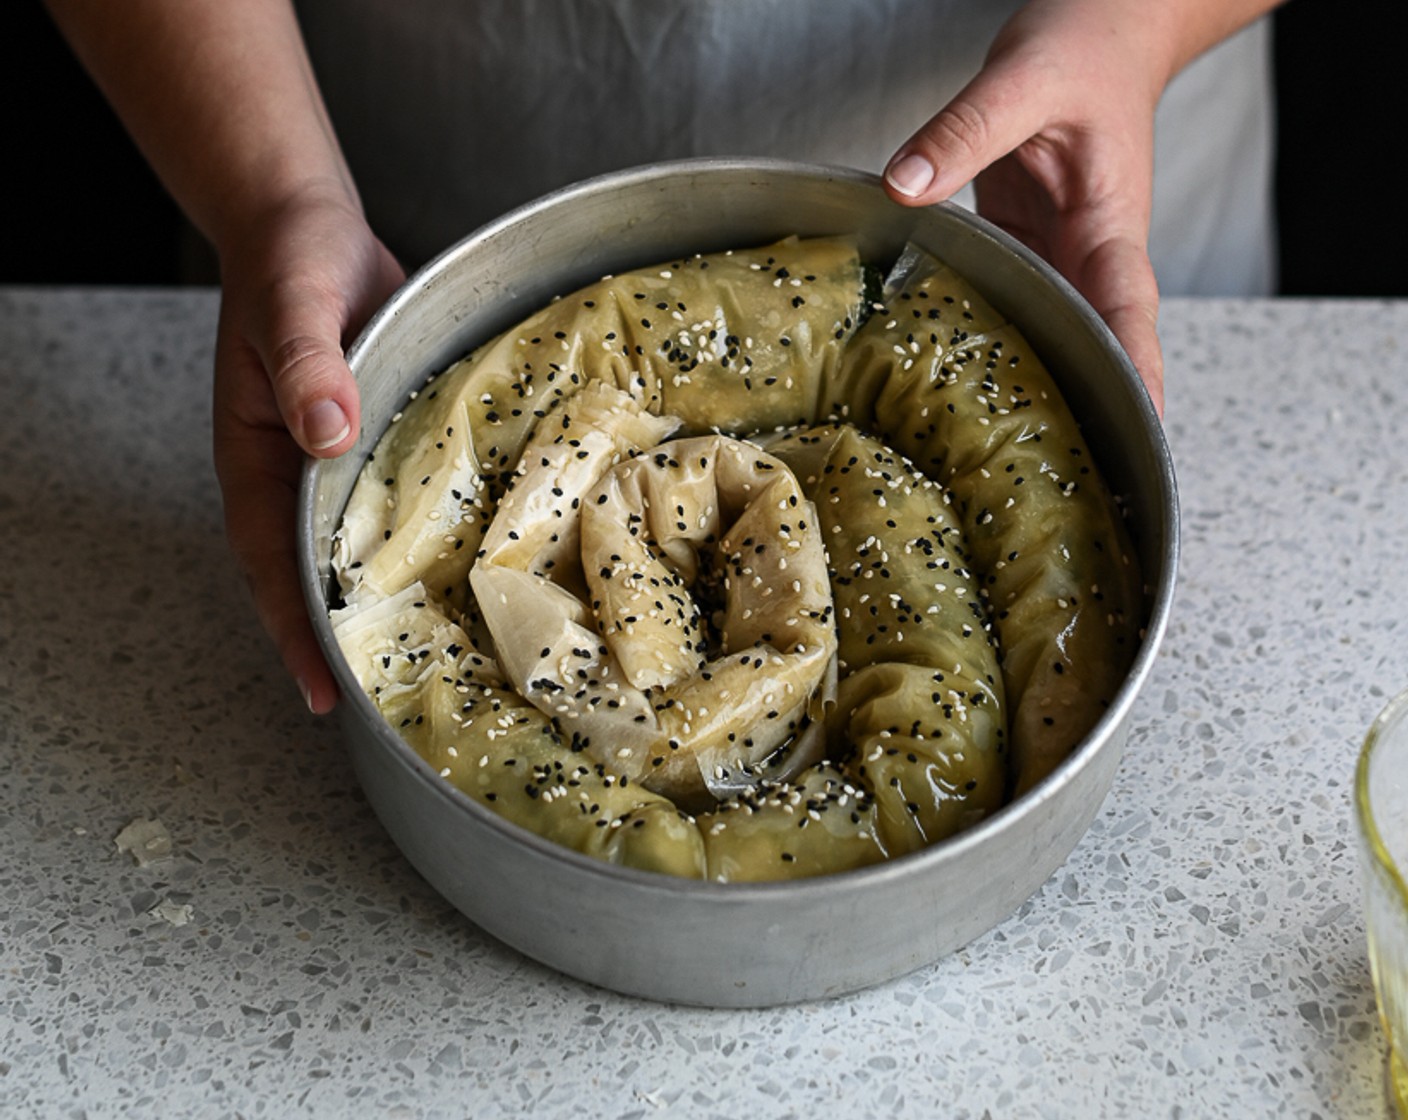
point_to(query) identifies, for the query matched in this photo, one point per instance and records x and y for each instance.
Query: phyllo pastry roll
(732, 342)
(666, 604)
(701, 571)
(919, 716)
(953, 386)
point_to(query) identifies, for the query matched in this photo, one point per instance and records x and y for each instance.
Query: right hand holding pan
(1056, 133)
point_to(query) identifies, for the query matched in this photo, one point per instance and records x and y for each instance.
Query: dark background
(82, 208)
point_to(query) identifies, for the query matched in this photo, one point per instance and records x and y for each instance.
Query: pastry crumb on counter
(146, 841)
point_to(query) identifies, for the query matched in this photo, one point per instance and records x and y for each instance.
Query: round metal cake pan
(675, 940)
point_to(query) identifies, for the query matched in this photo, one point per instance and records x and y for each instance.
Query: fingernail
(325, 425)
(910, 175)
(307, 695)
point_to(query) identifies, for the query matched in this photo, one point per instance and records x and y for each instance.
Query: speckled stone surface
(1200, 954)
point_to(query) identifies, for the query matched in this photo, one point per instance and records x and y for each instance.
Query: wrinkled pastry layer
(695, 573)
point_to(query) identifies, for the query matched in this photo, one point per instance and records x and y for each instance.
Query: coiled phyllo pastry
(739, 568)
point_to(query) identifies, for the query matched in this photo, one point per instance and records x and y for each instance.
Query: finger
(284, 614)
(258, 466)
(1093, 227)
(258, 470)
(1141, 341)
(301, 348)
(1138, 334)
(1117, 279)
(996, 112)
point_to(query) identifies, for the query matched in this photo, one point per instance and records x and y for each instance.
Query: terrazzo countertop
(1200, 954)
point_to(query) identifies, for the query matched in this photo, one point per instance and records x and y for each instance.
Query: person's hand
(1056, 132)
(295, 291)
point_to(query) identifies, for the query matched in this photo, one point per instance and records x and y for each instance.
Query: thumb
(316, 394)
(992, 115)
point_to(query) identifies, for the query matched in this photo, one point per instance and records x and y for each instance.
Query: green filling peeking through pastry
(725, 569)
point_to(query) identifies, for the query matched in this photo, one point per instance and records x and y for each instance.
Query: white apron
(454, 111)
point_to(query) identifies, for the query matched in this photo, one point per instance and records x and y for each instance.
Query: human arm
(222, 101)
(1056, 131)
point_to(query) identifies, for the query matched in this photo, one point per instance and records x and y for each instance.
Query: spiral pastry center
(588, 580)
